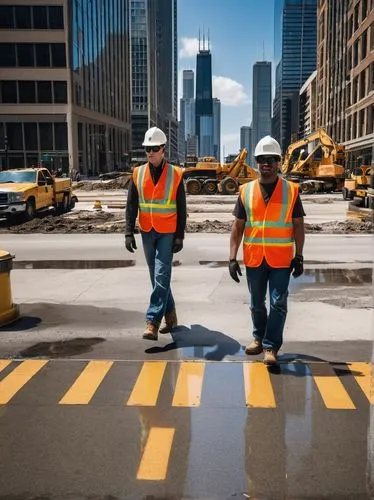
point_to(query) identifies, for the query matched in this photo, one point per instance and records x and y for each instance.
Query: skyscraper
(153, 29)
(217, 128)
(65, 90)
(187, 113)
(246, 141)
(261, 101)
(204, 101)
(295, 56)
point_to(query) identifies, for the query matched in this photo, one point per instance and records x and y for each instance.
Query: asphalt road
(88, 410)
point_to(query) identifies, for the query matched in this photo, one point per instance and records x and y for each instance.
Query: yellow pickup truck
(23, 192)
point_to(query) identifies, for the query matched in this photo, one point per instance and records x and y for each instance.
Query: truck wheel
(193, 186)
(210, 187)
(30, 211)
(347, 194)
(228, 186)
(65, 206)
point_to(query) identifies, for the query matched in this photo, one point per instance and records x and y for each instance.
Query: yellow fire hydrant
(9, 312)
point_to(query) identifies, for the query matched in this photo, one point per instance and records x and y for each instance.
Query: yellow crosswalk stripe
(84, 388)
(148, 383)
(154, 462)
(189, 384)
(257, 386)
(331, 388)
(365, 380)
(11, 384)
(4, 363)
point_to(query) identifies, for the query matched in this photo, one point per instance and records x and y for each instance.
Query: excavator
(315, 172)
(208, 176)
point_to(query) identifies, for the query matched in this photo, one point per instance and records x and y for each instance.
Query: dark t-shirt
(267, 190)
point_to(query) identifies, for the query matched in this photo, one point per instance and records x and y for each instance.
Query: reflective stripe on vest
(164, 206)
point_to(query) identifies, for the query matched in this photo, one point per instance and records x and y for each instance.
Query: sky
(241, 32)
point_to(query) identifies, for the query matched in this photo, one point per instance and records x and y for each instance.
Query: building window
(61, 136)
(9, 92)
(25, 54)
(60, 92)
(58, 55)
(7, 55)
(40, 17)
(26, 92)
(46, 136)
(364, 44)
(56, 18)
(44, 92)
(23, 17)
(31, 136)
(6, 16)
(43, 58)
(14, 133)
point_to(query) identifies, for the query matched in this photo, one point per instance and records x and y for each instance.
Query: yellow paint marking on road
(4, 363)
(148, 383)
(154, 463)
(363, 373)
(331, 388)
(189, 384)
(84, 388)
(257, 386)
(13, 382)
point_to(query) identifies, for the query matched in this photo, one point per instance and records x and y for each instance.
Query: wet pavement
(173, 430)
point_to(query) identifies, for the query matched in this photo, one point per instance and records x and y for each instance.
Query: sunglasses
(267, 160)
(154, 149)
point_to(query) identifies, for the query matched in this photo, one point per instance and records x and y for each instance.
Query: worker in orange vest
(156, 195)
(270, 214)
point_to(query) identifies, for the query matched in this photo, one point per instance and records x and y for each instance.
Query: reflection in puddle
(61, 348)
(72, 264)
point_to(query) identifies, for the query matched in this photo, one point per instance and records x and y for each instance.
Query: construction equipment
(315, 172)
(360, 185)
(209, 176)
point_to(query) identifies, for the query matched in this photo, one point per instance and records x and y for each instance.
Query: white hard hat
(154, 137)
(268, 146)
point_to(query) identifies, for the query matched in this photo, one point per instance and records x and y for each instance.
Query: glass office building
(295, 56)
(64, 85)
(204, 102)
(261, 98)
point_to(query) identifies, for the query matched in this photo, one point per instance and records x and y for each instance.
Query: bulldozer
(321, 170)
(207, 176)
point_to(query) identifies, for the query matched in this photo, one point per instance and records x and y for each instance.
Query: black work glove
(297, 266)
(177, 245)
(130, 243)
(235, 270)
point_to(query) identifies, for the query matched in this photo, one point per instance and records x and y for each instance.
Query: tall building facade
(261, 101)
(187, 115)
(65, 84)
(246, 141)
(154, 64)
(308, 106)
(204, 102)
(217, 128)
(345, 76)
(295, 57)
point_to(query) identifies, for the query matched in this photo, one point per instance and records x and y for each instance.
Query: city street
(104, 414)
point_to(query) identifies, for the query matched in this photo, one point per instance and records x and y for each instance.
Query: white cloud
(230, 92)
(189, 47)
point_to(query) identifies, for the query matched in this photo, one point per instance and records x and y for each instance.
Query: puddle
(362, 276)
(72, 264)
(61, 348)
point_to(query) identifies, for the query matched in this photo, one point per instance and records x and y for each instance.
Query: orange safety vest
(157, 203)
(269, 230)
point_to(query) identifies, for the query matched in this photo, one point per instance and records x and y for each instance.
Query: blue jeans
(268, 329)
(158, 251)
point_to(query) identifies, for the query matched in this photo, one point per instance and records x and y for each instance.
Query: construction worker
(156, 192)
(270, 214)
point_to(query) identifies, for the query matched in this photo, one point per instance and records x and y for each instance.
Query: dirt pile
(113, 184)
(107, 222)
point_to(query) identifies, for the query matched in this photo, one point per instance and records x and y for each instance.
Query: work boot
(151, 331)
(171, 321)
(255, 347)
(270, 356)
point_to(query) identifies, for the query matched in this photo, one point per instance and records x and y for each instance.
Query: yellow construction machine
(208, 176)
(321, 169)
